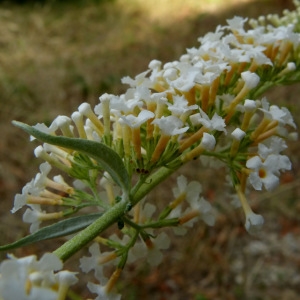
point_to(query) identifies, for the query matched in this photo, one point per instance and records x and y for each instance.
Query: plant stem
(152, 181)
(111, 215)
(89, 233)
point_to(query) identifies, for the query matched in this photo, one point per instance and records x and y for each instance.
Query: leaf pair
(109, 161)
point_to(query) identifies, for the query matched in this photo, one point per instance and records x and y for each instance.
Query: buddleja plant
(208, 104)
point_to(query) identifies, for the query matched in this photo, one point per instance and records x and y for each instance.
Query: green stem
(152, 181)
(112, 215)
(262, 89)
(162, 223)
(89, 233)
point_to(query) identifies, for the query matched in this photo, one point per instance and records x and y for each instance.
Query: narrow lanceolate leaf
(108, 159)
(59, 229)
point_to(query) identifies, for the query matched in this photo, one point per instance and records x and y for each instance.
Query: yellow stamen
(234, 147)
(229, 74)
(112, 280)
(268, 51)
(59, 186)
(28, 286)
(253, 67)
(78, 120)
(48, 194)
(193, 154)
(275, 50)
(149, 243)
(43, 201)
(213, 91)
(137, 210)
(242, 67)
(285, 50)
(126, 132)
(178, 200)
(246, 120)
(189, 216)
(98, 124)
(50, 216)
(190, 96)
(259, 129)
(160, 147)
(107, 257)
(106, 117)
(136, 139)
(62, 291)
(101, 240)
(239, 97)
(158, 88)
(151, 106)
(246, 207)
(266, 135)
(193, 139)
(204, 97)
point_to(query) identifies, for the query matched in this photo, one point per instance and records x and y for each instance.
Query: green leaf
(61, 228)
(108, 159)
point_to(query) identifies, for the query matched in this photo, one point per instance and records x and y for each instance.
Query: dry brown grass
(54, 57)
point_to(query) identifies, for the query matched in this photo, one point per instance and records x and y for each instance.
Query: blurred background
(55, 55)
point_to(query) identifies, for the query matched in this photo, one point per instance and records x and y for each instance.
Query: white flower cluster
(205, 105)
(173, 108)
(32, 279)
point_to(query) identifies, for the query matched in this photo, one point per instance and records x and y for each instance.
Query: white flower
(251, 79)
(208, 141)
(273, 112)
(237, 24)
(29, 279)
(291, 66)
(138, 80)
(146, 213)
(92, 263)
(170, 74)
(238, 134)
(154, 255)
(276, 145)
(43, 128)
(21, 199)
(205, 209)
(32, 215)
(35, 216)
(104, 104)
(64, 123)
(211, 162)
(77, 118)
(65, 279)
(215, 123)
(135, 122)
(206, 212)
(249, 105)
(138, 251)
(254, 222)
(155, 64)
(181, 106)
(40, 180)
(266, 172)
(185, 81)
(101, 292)
(192, 189)
(170, 125)
(34, 187)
